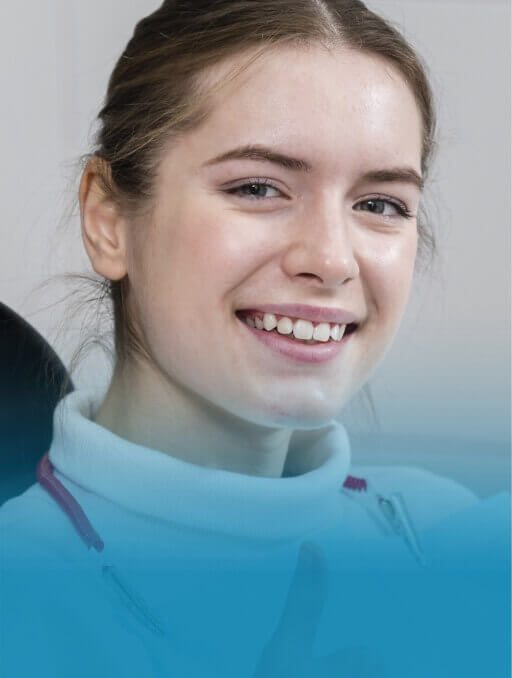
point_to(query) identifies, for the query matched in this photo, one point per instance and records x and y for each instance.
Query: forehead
(336, 106)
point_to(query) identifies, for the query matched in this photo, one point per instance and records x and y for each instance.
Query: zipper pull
(395, 511)
(391, 513)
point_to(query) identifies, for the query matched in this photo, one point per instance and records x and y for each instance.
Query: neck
(143, 406)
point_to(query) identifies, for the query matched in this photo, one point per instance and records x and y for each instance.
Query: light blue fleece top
(198, 562)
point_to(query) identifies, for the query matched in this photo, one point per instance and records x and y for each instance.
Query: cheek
(182, 281)
(387, 273)
(214, 252)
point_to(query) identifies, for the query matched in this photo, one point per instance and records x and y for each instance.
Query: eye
(384, 207)
(255, 190)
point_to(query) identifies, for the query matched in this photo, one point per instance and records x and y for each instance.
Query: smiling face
(328, 232)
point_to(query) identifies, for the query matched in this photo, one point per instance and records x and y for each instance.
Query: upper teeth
(301, 329)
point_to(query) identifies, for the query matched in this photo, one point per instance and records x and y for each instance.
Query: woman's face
(326, 240)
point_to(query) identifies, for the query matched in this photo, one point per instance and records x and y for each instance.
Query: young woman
(252, 208)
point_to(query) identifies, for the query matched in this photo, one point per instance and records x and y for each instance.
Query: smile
(297, 338)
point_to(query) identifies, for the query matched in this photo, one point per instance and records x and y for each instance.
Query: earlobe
(103, 226)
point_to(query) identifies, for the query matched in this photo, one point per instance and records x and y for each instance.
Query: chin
(303, 415)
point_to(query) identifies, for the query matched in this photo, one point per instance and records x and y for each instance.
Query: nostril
(308, 275)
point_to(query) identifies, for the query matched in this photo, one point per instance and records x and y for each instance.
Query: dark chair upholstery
(32, 379)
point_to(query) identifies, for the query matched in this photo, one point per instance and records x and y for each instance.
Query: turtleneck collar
(157, 485)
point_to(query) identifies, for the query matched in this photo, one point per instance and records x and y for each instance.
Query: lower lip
(305, 353)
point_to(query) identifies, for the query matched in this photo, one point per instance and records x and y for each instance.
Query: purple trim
(68, 503)
(353, 483)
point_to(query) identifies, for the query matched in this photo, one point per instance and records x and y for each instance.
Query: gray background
(442, 394)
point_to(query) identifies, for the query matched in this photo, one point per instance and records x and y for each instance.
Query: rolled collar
(157, 485)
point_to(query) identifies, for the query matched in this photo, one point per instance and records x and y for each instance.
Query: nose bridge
(322, 243)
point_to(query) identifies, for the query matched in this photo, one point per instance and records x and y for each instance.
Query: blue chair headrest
(32, 379)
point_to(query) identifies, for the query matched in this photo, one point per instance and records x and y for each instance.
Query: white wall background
(447, 377)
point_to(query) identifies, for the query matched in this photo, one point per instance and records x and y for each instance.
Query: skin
(312, 239)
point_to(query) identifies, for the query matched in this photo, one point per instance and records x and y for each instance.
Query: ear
(103, 226)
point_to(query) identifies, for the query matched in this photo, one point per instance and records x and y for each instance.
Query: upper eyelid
(265, 182)
(385, 198)
(237, 183)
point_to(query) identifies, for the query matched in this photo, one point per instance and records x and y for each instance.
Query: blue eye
(378, 206)
(254, 190)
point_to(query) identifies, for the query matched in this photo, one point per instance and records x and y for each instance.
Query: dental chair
(32, 380)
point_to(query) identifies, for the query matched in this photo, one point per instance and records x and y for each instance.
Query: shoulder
(430, 498)
(33, 525)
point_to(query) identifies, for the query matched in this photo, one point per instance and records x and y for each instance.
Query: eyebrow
(256, 152)
(405, 175)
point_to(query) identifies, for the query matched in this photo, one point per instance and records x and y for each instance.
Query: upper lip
(319, 314)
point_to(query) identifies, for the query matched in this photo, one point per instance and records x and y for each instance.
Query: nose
(322, 250)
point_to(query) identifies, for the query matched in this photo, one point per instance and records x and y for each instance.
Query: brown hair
(157, 89)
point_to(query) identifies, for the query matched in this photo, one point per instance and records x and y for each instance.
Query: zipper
(390, 514)
(134, 602)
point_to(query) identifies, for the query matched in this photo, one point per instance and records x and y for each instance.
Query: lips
(283, 343)
(295, 350)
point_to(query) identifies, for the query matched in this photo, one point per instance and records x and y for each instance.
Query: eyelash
(399, 206)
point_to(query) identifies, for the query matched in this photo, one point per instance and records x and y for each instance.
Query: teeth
(303, 330)
(335, 332)
(285, 326)
(269, 321)
(322, 332)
